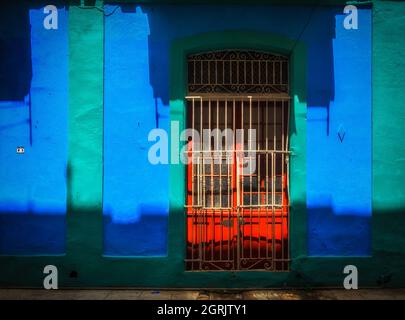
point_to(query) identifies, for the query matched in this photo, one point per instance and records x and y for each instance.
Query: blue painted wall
(137, 44)
(33, 114)
(339, 150)
(135, 198)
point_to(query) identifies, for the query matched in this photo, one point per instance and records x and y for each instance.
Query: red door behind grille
(218, 240)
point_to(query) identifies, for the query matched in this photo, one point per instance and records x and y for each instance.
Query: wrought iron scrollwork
(237, 72)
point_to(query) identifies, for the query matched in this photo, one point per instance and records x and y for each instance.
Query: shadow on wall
(15, 51)
(15, 47)
(29, 234)
(145, 237)
(313, 25)
(321, 73)
(342, 234)
(33, 234)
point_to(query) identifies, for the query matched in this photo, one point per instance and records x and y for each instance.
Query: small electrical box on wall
(20, 150)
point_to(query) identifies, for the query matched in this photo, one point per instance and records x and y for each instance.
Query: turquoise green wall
(389, 136)
(85, 161)
(389, 106)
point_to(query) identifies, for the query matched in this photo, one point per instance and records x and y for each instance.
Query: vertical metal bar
(216, 72)
(241, 229)
(227, 168)
(203, 214)
(282, 126)
(258, 125)
(219, 155)
(244, 69)
(287, 147)
(202, 72)
(282, 184)
(200, 154)
(209, 149)
(225, 148)
(273, 190)
(196, 223)
(238, 254)
(230, 72)
(232, 228)
(192, 181)
(209, 72)
(288, 181)
(267, 176)
(259, 195)
(211, 178)
(251, 69)
(202, 196)
(274, 130)
(251, 176)
(223, 72)
(230, 205)
(194, 72)
(237, 72)
(272, 207)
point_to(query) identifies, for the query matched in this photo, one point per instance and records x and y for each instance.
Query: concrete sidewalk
(136, 294)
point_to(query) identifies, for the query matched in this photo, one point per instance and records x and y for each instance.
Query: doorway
(237, 204)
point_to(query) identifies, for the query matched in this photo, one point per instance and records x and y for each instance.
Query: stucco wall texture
(112, 68)
(33, 184)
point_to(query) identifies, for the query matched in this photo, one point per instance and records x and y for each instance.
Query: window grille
(246, 72)
(238, 220)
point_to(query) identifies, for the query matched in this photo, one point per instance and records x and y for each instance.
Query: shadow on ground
(130, 294)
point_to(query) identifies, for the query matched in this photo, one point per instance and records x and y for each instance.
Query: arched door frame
(268, 42)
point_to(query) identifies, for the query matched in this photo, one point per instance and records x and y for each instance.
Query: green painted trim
(298, 143)
(244, 40)
(388, 105)
(85, 162)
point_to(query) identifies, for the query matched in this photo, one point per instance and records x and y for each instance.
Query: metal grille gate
(238, 220)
